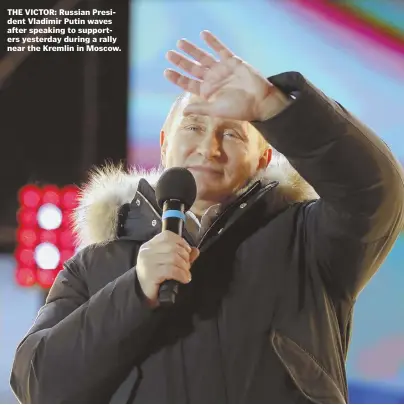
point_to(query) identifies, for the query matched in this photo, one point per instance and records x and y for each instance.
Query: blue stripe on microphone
(173, 214)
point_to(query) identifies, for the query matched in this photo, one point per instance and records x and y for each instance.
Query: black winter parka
(267, 316)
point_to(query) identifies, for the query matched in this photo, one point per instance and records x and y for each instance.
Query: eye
(230, 134)
(192, 128)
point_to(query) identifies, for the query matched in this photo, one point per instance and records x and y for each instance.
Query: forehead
(191, 98)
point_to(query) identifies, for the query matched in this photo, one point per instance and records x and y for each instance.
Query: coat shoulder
(99, 264)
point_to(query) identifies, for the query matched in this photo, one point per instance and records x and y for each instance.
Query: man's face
(223, 155)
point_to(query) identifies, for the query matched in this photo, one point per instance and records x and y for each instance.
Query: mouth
(204, 169)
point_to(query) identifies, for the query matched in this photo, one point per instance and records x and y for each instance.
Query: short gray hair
(174, 108)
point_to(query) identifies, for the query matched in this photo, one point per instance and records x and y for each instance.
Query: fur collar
(96, 216)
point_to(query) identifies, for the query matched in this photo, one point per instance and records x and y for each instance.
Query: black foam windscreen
(176, 183)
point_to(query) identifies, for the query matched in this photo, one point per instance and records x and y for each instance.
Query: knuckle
(176, 270)
(175, 260)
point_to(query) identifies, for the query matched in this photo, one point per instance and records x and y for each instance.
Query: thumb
(194, 254)
(201, 108)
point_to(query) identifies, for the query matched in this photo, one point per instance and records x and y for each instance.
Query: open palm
(228, 87)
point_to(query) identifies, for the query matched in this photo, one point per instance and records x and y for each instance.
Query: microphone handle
(173, 212)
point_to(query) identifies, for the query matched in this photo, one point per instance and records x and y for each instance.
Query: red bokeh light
(51, 195)
(30, 233)
(67, 220)
(27, 237)
(27, 217)
(69, 196)
(30, 196)
(65, 255)
(26, 276)
(49, 236)
(25, 257)
(46, 278)
(66, 240)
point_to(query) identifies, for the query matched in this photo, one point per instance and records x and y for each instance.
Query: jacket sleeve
(348, 231)
(80, 348)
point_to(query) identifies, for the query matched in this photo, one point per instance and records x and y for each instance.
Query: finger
(171, 236)
(184, 277)
(168, 247)
(191, 85)
(216, 45)
(186, 64)
(172, 272)
(203, 57)
(180, 262)
(170, 258)
(184, 253)
(194, 254)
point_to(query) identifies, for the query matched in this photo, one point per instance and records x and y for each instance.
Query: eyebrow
(201, 118)
(233, 124)
(226, 123)
(193, 117)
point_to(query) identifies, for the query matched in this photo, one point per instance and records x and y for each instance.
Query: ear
(265, 159)
(163, 146)
(162, 138)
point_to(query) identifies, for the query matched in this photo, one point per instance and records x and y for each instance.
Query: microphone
(175, 194)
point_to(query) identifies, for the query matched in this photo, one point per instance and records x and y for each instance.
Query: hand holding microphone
(166, 259)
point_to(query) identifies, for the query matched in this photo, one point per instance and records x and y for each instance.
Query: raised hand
(227, 88)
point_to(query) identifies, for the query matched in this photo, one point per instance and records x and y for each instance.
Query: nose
(209, 147)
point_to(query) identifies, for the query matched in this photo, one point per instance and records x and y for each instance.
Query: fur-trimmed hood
(96, 217)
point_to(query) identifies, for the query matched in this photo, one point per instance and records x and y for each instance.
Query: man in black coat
(277, 263)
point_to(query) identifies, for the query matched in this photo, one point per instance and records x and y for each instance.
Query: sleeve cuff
(306, 124)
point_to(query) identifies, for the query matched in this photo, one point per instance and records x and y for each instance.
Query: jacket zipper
(209, 229)
(186, 233)
(273, 184)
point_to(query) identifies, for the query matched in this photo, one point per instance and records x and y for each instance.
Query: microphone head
(176, 183)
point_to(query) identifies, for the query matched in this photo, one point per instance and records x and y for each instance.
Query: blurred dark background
(61, 113)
